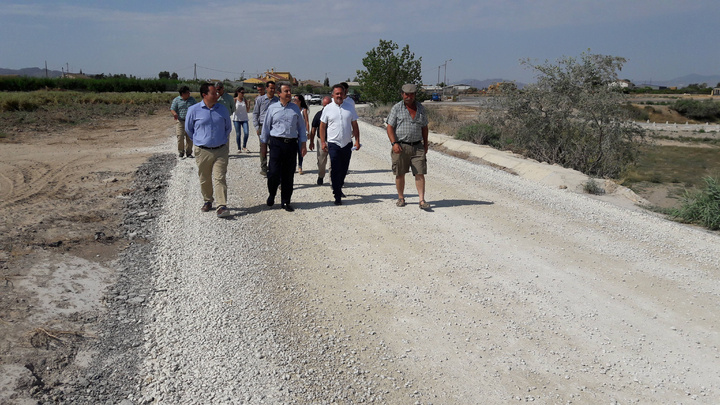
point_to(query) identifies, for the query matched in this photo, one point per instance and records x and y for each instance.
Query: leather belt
(209, 148)
(411, 143)
(286, 140)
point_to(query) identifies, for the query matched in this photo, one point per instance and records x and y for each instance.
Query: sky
(314, 39)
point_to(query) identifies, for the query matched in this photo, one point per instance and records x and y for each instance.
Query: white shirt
(338, 119)
(240, 113)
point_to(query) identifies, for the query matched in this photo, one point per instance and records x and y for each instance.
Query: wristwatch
(393, 144)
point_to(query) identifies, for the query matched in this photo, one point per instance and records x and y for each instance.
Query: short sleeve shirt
(338, 119)
(181, 106)
(407, 129)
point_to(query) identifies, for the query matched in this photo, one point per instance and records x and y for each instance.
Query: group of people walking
(283, 129)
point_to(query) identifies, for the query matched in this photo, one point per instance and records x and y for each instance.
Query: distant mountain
(682, 81)
(30, 72)
(483, 84)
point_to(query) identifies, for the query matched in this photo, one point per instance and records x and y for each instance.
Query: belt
(209, 148)
(411, 143)
(286, 140)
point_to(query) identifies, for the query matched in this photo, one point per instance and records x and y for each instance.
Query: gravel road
(505, 291)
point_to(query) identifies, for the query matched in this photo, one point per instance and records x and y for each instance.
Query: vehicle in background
(314, 99)
(435, 97)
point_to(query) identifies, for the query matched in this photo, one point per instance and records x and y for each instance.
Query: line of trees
(98, 85)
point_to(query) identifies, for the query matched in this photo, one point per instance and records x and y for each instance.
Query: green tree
(326, 82)
(572, 116)
(174, 76)
(164, 75)
(387, 71)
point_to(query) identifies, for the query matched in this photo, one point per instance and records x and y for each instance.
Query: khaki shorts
(411, 157)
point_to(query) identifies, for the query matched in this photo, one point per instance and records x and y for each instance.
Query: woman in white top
(300, 101)
(240, 119)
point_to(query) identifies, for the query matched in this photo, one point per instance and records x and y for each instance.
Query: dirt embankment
(62, 195)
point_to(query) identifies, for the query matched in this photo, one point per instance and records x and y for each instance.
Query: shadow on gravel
(346, 187)
(457, 203)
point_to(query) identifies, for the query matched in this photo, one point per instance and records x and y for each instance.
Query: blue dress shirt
(283, 122)
(209, 127)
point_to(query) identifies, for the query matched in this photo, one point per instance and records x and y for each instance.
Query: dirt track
(506, 290)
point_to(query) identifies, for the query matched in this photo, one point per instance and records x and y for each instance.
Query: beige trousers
(212, 167)
(322, 159)
(184, 143)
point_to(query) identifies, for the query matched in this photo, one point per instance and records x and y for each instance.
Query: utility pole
(445, 80)
(46, 72)
(195, 72)
(438, 82)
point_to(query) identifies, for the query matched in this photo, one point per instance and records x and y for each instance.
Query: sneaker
(223, 212)
(245, 150)
(206, 207)
(190, 156)
(181, 155)
(300, 170)
(320, 181)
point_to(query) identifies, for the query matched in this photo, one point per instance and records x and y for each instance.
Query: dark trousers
(340, 162)
(281, 167)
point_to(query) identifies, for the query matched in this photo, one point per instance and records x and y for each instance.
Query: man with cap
(407, 129)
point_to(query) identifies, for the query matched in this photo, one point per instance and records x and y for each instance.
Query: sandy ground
(489, 295)
(61, 197)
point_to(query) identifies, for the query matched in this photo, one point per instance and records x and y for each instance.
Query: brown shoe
(206, 207)
(223, 212)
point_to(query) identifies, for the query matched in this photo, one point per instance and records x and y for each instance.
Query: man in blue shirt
(208, 125)
(282, 129)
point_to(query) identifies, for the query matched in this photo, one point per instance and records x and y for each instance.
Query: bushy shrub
(479, 133)
(702, 206)
(593, 187)
(698, 110)
(572, 117)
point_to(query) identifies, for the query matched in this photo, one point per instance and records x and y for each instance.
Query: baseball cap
(409, 88)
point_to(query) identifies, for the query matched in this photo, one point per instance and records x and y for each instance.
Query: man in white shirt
(338, 126)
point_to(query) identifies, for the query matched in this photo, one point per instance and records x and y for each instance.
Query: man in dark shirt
(322, 156)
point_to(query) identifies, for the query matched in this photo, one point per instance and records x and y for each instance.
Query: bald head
(326, 100)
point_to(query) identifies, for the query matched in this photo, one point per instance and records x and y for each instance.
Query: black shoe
(270, 201)
(342, 194)
(287, 207)
(338, 201)
(190, 155)
(320, 181)
(181, 155)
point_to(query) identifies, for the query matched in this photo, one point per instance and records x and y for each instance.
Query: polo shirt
(283, 121)
(407, 128)
(181, 106)
(228, 101)
(209, 127)
(338, 119)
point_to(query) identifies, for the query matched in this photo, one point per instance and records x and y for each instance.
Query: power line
(218, 70)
